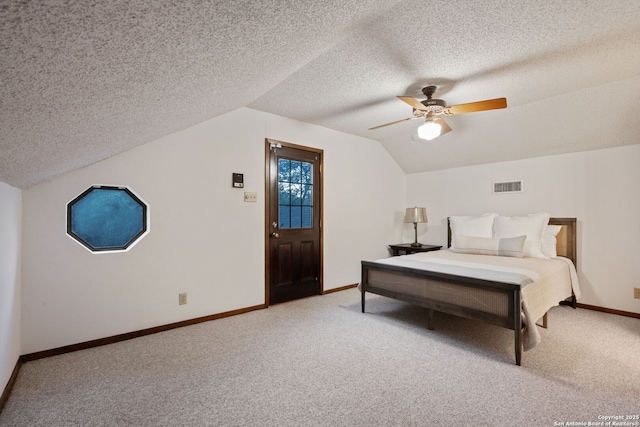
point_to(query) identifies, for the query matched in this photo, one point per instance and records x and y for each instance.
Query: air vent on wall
(506, 187)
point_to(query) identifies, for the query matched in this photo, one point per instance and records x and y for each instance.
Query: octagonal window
(105, 219)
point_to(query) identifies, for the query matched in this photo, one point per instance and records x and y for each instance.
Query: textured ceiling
(83, 80)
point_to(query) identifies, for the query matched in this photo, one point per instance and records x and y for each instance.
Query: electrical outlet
(182, 298)
(636, 293)
(250, 197)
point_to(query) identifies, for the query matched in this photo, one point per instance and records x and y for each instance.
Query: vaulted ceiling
(83, 80)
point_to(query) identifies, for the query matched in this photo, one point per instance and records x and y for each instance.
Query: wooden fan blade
(393, 123)
(444, 125)
(472, 107)
(413, 102)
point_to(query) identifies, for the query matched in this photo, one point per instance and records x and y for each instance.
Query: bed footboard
(477, 299)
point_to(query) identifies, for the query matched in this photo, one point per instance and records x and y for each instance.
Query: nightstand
(407, 249)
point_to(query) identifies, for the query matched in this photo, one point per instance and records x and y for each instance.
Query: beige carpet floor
(321, 362)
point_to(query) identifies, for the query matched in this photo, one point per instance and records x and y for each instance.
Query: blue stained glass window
(295, 198)
(107, 218)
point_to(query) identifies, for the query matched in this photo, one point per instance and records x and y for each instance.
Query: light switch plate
(250, 197)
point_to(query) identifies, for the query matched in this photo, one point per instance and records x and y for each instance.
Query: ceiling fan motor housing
(434, 103)
(436, 106)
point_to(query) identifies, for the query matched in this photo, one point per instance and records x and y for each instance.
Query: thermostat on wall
(237, 180)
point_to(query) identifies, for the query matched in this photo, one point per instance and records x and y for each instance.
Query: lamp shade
(415, 215)
(429, 130)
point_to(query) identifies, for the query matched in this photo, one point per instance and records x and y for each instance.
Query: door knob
(275, 235)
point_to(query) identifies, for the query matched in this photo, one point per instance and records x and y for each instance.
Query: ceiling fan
(431, 109)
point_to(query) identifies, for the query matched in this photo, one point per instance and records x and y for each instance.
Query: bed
(507, 291)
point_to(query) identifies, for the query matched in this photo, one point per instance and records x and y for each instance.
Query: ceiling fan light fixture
(429, 130)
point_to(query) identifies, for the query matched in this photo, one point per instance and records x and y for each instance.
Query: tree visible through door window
(295, 194)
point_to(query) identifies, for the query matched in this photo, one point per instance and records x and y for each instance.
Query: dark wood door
(294, 222)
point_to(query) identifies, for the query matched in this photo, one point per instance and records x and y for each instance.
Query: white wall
(600, 188)
(10, 241)
(206, 241)
(203, 240)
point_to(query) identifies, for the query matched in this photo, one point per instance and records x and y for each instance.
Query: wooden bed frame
(438, 288)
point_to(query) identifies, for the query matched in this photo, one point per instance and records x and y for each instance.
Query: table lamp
(415, 215)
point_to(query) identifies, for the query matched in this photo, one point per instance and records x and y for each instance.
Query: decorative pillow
(511, 246)
(477, 226)
(549, 241)
(531, 226)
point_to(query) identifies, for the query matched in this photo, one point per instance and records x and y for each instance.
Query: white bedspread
(544, 282)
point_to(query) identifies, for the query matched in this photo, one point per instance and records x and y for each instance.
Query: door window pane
(306, 196)
(295, 194)
(296, 217)
(285, 193)
(307, 216)
(284, 169)
(307, 175)
(284, 216)
(296, 171)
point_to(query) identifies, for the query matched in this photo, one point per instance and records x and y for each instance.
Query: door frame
(267, 201)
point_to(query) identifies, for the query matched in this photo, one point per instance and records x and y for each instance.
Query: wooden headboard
(566, 238)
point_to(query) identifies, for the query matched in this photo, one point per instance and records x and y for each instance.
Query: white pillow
(476, 226)
(549, 241)
(531, 226)
(512, 246)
